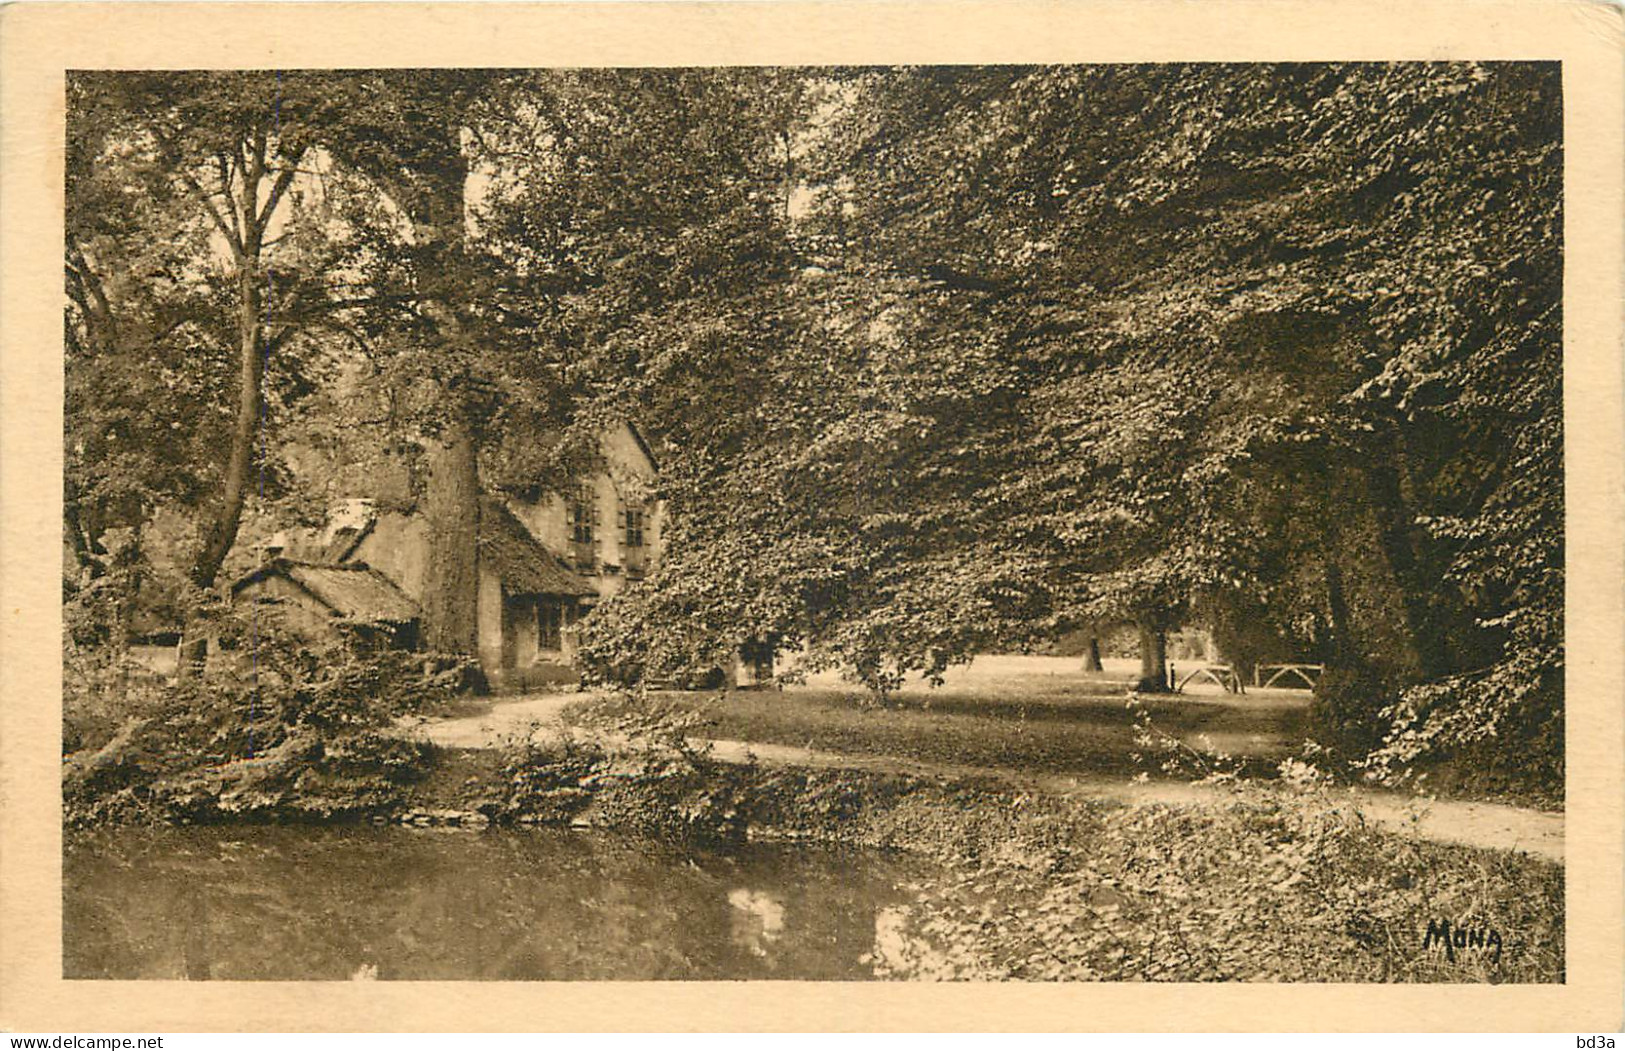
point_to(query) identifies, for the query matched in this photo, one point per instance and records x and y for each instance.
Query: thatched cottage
(542, 564)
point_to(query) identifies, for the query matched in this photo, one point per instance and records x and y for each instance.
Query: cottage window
(584, 530)
(632, 527)
(549, 626)
(633, 554)
(581, 518)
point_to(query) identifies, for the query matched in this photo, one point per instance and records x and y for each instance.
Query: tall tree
(183, 259)
(559, 235)
(420, 161)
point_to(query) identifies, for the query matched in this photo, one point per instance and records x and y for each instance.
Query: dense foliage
(936, 360)
(275, 727)
(1274, 349)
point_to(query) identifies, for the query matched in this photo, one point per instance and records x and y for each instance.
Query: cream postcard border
(39, 41)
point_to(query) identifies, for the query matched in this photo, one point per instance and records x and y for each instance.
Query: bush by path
(286, 731)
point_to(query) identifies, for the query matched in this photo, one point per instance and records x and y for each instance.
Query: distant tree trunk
(451, 507)
(1153, 656)
(222, 532)
(1342, 641)
(1091, 656)
(82, 536)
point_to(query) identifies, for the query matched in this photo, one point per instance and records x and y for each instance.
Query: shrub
(277, 724)
(1502, 729)
(1346, 713)
(640, 773)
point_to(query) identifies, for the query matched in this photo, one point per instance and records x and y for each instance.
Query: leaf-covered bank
(1272, 885)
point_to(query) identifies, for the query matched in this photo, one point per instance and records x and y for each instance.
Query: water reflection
(756, 922)
(899, 953)
(368, 904)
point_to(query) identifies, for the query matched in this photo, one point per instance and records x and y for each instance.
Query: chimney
(271, 548)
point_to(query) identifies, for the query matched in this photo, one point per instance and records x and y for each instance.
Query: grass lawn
(1036, 713)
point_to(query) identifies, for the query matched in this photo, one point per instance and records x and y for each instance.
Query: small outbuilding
(315, 599)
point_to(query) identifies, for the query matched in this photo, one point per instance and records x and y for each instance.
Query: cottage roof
(347, 525)
(643, 444)
(521, 562)
(353, 590)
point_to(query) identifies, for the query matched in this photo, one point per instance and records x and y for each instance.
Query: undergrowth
(278, 728)
(1283, 881)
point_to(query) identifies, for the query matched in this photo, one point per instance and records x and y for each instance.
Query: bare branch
(229, 231)
(225, 165)
(283, 180)
(172, 154)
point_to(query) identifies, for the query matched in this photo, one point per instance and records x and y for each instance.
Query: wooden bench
(1221, 675)
(1308, 673)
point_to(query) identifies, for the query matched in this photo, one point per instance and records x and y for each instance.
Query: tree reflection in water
(387, 903)
(757, 921)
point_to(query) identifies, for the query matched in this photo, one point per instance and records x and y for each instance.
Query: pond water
(268, 903)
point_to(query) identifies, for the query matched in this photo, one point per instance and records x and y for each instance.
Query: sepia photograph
(811, 517)
(1010, 523)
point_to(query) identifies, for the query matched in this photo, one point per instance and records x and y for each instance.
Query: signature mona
(1484, 940)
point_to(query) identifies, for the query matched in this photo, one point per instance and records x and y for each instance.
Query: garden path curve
(1493, 826)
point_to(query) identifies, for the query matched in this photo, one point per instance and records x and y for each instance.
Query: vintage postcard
(815, 516)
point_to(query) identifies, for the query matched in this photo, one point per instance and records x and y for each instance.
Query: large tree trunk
(452, 486)
(1153, 656)
(1396, 543)
(451, 507)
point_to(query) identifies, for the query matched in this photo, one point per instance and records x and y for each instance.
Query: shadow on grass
(1043, 730)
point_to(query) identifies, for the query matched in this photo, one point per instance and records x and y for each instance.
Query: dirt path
(1489, 825)
(506, 721)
